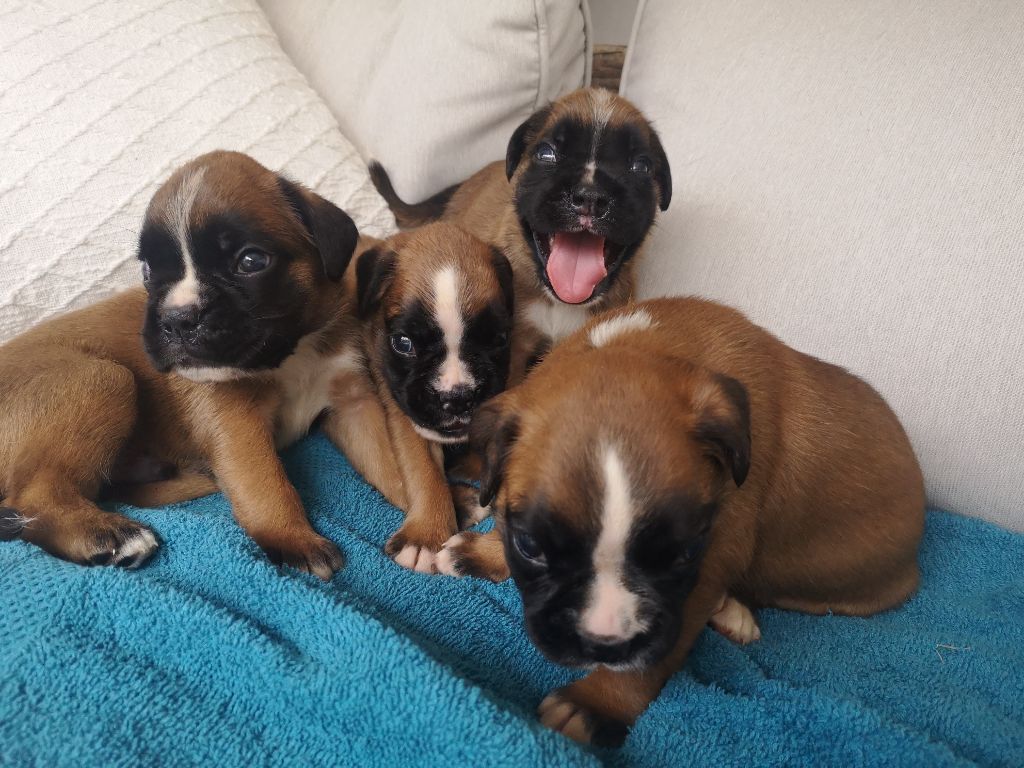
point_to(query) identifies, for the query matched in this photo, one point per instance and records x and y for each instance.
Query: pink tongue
(576, 265)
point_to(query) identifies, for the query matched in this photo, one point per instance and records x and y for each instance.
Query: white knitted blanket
(99, 101)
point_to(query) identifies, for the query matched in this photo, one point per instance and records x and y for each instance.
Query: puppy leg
(63, 426)
(602, 707)
(474, 554)
(183, 487)
(357, 425)
(468, 511)
(736, 621)
(263, 500)
(430, 520)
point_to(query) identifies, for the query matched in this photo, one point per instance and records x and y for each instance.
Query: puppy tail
(11, 524)
(409, 214)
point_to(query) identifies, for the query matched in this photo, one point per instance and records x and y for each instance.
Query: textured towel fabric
(211, 656)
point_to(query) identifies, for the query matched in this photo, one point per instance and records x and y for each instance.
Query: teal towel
(211, 656)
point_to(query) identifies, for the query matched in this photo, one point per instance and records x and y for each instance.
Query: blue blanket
(211, 656)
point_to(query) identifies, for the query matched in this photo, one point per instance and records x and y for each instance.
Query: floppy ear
(330, 228)
(505, 278)
(662, 172)
(492, 433)
(723, 423)
(375, 269)
(524, 134)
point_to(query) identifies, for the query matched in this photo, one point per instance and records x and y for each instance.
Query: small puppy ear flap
(723, 423)
(375, 269)
(521, 138)
(492, 433)
(662, 172)
(331, 229)
(506, 280)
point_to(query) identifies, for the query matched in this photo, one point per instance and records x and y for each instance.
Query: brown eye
(528, 547)
(641, 165)
(402, 345)
(251, 262)
(546, 153)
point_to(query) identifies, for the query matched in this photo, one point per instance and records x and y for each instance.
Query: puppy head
(607, 469)
(238, 263)
(441, 307)
(589, 174)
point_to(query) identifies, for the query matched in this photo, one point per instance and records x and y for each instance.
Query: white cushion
(851, 174)
(97, 108)
(434, 89)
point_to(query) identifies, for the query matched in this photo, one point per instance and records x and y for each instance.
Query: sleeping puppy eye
(252, 261)
(546, 153)
(641, 164)
(402, 345)
(528, 548)
(501, 339)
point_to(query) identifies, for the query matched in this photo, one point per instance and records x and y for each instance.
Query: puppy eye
(641, 165)
(146, 272)
(528, 547)
(402, 345)
(252, 261)
(546, 153)
(501, 339)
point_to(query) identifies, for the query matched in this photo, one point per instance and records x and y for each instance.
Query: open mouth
(576, 262)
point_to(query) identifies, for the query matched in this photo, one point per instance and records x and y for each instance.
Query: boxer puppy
(570, 207)
(438, 304)
(673, 464)
(246, 329)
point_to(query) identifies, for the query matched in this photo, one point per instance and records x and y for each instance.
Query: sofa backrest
(851, 174)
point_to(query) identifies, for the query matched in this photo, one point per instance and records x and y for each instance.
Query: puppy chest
(555, 320)
(305, 381)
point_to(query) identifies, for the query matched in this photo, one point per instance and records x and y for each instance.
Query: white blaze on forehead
(186, 290)
(605, 331)
(601, 112)
(453, 372)
(611, 609)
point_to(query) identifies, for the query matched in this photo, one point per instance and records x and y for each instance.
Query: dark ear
(375, 269)
(524, 134)
(505, 278)
(332, 231)
(723, 423)
(662, 172)
(492, 433)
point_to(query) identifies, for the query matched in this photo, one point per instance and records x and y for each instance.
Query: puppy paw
(736, 621)
(473, 554)
(310, 553)
(411, 549)
(120, 542)
(468, 511)
(563, 711)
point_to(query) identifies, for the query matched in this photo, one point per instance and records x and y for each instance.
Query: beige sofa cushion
(434, 89)
(97, 108)
(851, 174)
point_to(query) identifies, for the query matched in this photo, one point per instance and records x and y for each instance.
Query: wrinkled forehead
(236, 190)
(596, 119)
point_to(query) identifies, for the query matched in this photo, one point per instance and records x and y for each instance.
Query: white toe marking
(611, 610)
(142, 543)
(425, 561)
(407, 557)
(734, 620)
(603, 332)
(445, 562)
(453, 372)
(187, 290)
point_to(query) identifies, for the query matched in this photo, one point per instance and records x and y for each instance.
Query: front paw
(413, 548)
(308, 553)
(567, 713)
(473, 554)
(468, 511)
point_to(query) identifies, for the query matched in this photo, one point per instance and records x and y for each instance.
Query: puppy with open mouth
(246, 330)
(570, 207)
(671, 465)
(438, 306)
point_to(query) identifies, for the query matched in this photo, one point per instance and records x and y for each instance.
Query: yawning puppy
(673, 464)
(571, 207)
(246, 331)
(439, 306)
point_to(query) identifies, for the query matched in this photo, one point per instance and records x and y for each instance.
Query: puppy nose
(182, 319)
(589, 201)
(458, 401)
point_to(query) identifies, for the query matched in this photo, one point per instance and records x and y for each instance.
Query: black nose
(182, 319)
(458, 401)
(589, 201)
